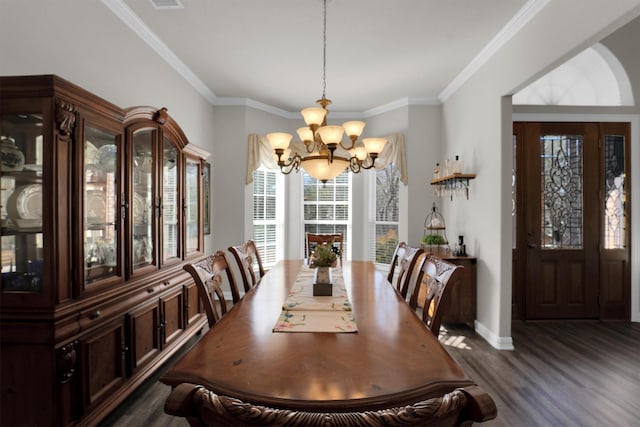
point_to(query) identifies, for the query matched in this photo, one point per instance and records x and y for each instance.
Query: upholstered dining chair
(246, 255)
(207, 274)
(313, 239)
(439, 277)
(406, 267)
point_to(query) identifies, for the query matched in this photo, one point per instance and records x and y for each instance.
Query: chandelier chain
(324, 50)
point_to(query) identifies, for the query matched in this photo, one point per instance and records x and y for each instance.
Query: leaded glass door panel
(615, 253)
(562, 220)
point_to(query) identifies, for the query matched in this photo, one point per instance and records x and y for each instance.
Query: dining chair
(207, 274)
(439, 278)
(398, 254)
(313, 239)
(406, 268)
(245, 255)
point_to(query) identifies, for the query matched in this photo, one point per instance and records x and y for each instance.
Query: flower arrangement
(324, 255)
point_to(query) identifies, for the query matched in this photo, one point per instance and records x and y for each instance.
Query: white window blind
(386, 214)
(327, 207)
(268, 215)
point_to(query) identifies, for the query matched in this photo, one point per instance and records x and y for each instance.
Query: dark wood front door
(573, 243)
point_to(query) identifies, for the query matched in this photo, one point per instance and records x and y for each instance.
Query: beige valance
(260, 154)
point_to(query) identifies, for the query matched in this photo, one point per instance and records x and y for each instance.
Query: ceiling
(378, 51)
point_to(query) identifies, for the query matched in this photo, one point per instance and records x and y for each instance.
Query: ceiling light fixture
(321, 140)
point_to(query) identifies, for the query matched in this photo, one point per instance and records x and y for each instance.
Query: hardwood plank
(561, 373)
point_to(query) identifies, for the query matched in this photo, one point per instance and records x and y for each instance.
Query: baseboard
(500, 343)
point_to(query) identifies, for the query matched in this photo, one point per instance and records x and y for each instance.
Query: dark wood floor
(560, 374)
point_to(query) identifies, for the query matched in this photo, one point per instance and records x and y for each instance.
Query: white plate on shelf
(25, 203)
(139, 209)
(95, 207)
(107, 157)
(90, 153)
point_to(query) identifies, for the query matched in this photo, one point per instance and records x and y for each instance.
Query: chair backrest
(406, 266)
(440, 277)
(207, 274)
(398, 254)
(314, 239)
(245, 255)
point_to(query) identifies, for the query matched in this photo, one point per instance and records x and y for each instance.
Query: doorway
(571, 247)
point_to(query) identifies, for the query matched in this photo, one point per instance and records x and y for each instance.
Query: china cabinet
(100, 208)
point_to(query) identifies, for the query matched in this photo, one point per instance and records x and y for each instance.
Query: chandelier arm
(293, 165)
(353, 144)
(369, 161)
(310, 146)
(355, 164)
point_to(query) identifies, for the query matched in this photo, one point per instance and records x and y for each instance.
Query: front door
(574, 268)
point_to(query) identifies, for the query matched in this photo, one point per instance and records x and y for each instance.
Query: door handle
(532, 246)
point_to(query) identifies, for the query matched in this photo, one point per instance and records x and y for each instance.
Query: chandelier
(321, 160)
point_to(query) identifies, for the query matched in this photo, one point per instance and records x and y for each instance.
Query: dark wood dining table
(242, 372)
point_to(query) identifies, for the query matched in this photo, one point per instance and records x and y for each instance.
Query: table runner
(304, 312)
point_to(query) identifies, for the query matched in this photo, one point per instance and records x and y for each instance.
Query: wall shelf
(452, 184)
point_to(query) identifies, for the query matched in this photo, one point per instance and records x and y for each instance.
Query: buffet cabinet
(462, 300)
(101, 207)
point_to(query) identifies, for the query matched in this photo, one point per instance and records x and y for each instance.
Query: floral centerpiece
(324, 255)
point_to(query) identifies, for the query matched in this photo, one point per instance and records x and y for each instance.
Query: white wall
(477, 124)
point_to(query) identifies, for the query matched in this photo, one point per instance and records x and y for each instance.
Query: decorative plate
(25, 203)
(95, 207)
(107, 157)
(139, 209)
(90, 153)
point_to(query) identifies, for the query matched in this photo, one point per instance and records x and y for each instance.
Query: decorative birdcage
(435, 236)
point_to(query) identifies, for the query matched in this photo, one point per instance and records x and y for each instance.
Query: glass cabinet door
(170, 202)
(101, 153)
(142, 200)
(192, 180)
(21, 164)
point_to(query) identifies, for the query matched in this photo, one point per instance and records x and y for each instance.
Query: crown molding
(130, 19)
(519, 20)
(394, 105)
(248, 102)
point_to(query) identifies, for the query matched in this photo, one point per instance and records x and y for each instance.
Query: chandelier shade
(279, 140)
(314, 115)
(322, 140)
(319, 168)
(331, 134)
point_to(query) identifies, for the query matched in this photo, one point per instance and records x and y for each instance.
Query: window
(327, 207)
(268, 215)
(387, 211)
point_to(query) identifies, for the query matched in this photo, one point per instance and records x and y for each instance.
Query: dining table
(258, 367)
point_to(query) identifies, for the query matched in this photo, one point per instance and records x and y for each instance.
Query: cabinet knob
(150, 290)
(167, 283)
(95, 315)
